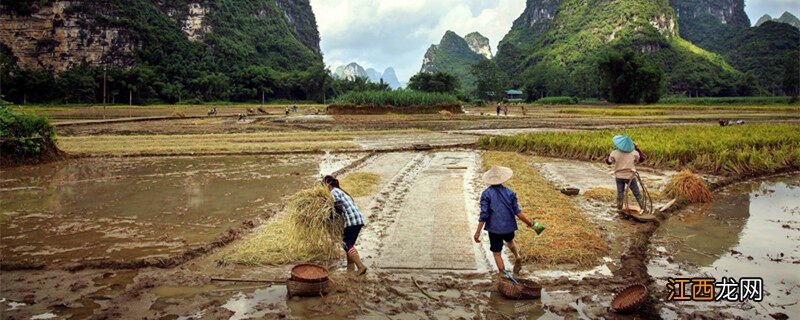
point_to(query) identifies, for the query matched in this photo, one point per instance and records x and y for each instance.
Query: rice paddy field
(224, 219)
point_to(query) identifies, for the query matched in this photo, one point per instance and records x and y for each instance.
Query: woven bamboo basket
(305, 289)
(630, 299)
(526, 289)
(310, 273)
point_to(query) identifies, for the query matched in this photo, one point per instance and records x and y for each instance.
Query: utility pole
(104, 90)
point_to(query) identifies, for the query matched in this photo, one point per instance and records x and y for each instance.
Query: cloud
(775, 8)
(396, 33)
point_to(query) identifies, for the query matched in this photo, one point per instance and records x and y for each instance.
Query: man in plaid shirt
(353, 222)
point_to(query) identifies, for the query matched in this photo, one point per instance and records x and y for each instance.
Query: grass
(397, 98)
(214, 143)
(570, 237)
(726, 100)
(303, 233)
(751, 148)
(712, 107)
(612, 112)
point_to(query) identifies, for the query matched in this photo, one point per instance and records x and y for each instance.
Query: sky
(396, 33)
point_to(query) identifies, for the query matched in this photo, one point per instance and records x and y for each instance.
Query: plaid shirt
(346, 207)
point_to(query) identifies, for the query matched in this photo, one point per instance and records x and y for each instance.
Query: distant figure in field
(523, 111)
(498, 109)
(242, 117)
(212, 111)
(286, 110)
(294, 109)
(251, 111)
(505, 110)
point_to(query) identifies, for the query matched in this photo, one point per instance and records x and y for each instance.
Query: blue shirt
(499, 209)
(347, 208)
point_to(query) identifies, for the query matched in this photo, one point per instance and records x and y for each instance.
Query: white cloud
(396, 33)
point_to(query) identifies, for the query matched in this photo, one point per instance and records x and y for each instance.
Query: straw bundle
(601, 194)
(689, 186)
(305, 232)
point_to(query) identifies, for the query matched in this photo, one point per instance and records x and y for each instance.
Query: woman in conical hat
(499, 210)
(624, 159)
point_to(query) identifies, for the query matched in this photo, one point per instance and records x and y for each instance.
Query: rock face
(786, 18)
(350, 72)
(61, 34)
(710, 23)
(373, 75)
(390, 77)
(453, 55)
(479, 44)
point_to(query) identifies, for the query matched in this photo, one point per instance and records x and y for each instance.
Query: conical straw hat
(497, 175)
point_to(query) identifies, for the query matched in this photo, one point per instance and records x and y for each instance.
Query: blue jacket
(499, 210)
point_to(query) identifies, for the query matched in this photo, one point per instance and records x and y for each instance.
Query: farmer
(353, 222)
(498, 109)
(505, 110)
(624, 159)
(499, 210)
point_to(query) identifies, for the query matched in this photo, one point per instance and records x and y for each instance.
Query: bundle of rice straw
(689, 186)
(304, 233)
(601, 194)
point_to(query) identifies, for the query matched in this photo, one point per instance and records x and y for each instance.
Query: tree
(490, 81)
(77, 85)
(434, 82)
(629, 78)
(791, 75)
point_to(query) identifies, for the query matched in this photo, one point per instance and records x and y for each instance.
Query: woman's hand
(477, 237)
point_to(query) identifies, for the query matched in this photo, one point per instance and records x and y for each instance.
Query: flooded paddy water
(136, 208)
(752, 230)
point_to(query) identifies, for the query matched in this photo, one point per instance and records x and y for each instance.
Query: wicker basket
(310, 273)
(630, 299)
(526, 289)
(571, 191)
(305, 289)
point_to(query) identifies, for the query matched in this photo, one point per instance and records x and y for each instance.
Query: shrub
(399, 98)
(24, 135)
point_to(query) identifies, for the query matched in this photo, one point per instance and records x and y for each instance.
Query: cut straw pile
(689, 186)
(570, 238)
(304, 232)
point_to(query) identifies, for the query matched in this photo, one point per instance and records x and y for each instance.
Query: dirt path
(431, 229)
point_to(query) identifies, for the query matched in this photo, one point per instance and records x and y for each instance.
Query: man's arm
(641, 154)
(525, 219)
(477, 236)
(482, 218)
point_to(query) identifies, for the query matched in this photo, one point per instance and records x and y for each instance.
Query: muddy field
(140, 237)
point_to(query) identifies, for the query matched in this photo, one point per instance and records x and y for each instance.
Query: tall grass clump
(397, 98)
(726, 100)
(557, 100)
(752, 148)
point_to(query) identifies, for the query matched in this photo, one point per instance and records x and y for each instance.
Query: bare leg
(498, 259)
(517, 262)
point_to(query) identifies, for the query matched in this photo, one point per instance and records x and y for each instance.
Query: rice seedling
(750, 148)
(689, 186)
(397, 98)
(304, 233)
(570, 237)
(612, 112)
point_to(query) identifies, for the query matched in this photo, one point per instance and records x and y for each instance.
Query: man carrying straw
(499, 210)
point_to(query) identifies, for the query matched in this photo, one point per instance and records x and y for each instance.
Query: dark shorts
(350, 236)
(496, 240)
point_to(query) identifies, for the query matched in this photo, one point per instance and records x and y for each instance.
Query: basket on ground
(571, 191)
(306, 289)
(309, 273)
(630, 299)
(526, 289)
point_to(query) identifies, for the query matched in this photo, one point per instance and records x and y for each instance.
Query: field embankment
(745, 149)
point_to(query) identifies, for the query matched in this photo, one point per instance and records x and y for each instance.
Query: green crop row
(721, 150)
(397, 98)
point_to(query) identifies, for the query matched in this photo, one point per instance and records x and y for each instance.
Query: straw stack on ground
(571, 238)
(304, 232)
(689, 186)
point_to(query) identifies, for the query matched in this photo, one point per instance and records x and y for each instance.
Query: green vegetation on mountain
(709, 24)
(251, 47)
(762, 53)
(453, 56)
(559, 56)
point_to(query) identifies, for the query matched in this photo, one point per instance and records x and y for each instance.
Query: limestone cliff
(479, 44)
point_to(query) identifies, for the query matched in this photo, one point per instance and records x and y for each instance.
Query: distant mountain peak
(455, 55)
(786, 18)
(479, 44)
